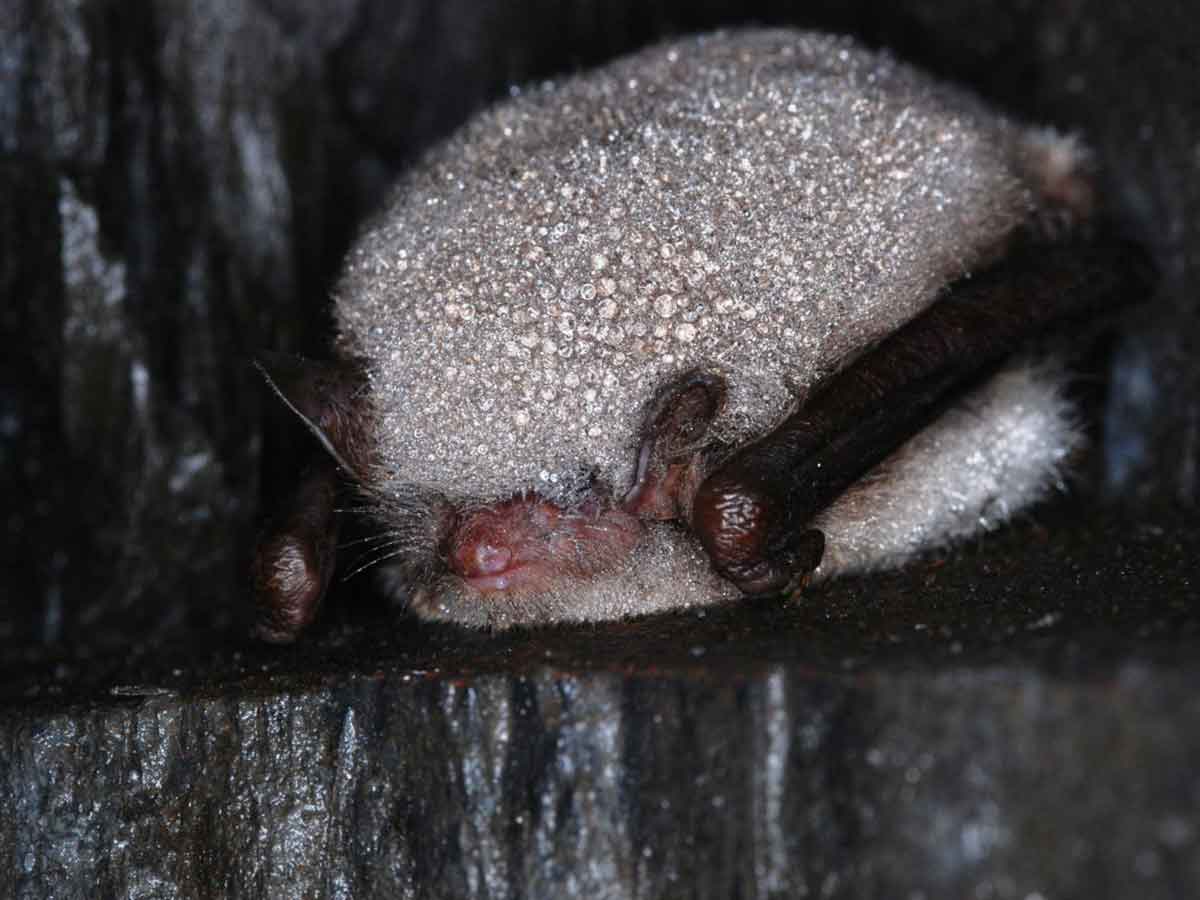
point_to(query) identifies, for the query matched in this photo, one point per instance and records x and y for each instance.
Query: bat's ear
(674, 427)
(327, 398)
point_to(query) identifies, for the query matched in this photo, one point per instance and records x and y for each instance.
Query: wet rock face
(959, 730)
(961, 783)
(153, 238)
(180, 182)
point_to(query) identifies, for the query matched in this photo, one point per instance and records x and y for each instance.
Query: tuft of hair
(1060, 167)
(405, 546)
(762, 203)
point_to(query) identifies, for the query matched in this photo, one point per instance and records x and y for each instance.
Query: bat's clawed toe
(800, 556)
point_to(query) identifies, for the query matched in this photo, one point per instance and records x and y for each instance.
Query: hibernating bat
(725, 316)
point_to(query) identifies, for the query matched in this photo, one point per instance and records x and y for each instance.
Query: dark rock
(1019, 720)
(965, 783)
(179, 182)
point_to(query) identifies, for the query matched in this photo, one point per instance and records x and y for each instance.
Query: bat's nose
(486, 545)
(528, 544)
(486, 559)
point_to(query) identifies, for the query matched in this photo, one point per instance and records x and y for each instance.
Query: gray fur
(763, 204)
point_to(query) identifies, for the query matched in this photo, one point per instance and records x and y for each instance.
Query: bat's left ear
(326, 397)
(295, 557)
(297, 551)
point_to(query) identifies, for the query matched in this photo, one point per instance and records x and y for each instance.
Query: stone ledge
(1019, 720)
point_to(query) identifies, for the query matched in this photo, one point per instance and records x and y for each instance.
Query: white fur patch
(998, 451)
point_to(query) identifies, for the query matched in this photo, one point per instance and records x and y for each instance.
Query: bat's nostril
(490, 560)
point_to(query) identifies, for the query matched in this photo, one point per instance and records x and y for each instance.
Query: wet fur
(992, 454)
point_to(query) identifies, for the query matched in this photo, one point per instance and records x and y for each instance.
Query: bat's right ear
(675, 425)
(326, 398)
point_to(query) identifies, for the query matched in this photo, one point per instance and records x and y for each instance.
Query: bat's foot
(743, 521)
(784, 571)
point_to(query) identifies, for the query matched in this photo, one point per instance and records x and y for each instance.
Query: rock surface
(180, 181)
(1019, 721)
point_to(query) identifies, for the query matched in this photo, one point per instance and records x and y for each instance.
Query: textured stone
(959, 730)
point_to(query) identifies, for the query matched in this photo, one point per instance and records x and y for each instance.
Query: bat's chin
(658, 567)
(496, 602)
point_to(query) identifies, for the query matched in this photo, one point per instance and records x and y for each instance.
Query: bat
(725, 317)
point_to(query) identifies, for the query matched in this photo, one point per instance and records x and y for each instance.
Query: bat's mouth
(513, 579)
(528, 544)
